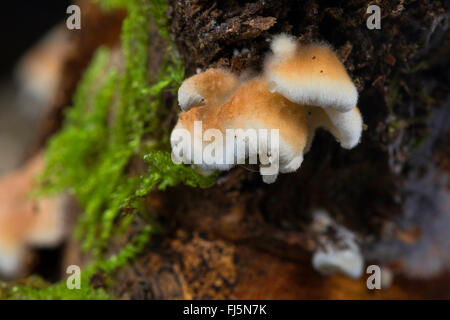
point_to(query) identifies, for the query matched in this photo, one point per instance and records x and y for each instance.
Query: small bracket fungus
(313, 76)
(214, 86)
(242, 128)
(24, 221)
(346, 127)
(310, 75)
(340, 255)
(330, 261)
(269, 119)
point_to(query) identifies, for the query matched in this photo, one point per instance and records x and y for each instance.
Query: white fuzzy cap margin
(283, 46)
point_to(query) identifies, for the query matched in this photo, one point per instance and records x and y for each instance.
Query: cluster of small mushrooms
(301, 89)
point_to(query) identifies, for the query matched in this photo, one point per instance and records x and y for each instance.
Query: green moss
(111, 4)
(89, 156)
(35, 288)
(162, 172)
(112, 111)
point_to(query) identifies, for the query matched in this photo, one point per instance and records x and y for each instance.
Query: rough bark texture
(244, 239)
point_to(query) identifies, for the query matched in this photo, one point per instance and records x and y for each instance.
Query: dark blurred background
(22, 25)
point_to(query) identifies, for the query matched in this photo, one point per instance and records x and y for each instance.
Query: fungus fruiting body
(214, 86)
(340, 255)
(310, 75)
(252, 109)
(346, 261)
(24, 221)
(346, 127)
(302, 88)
